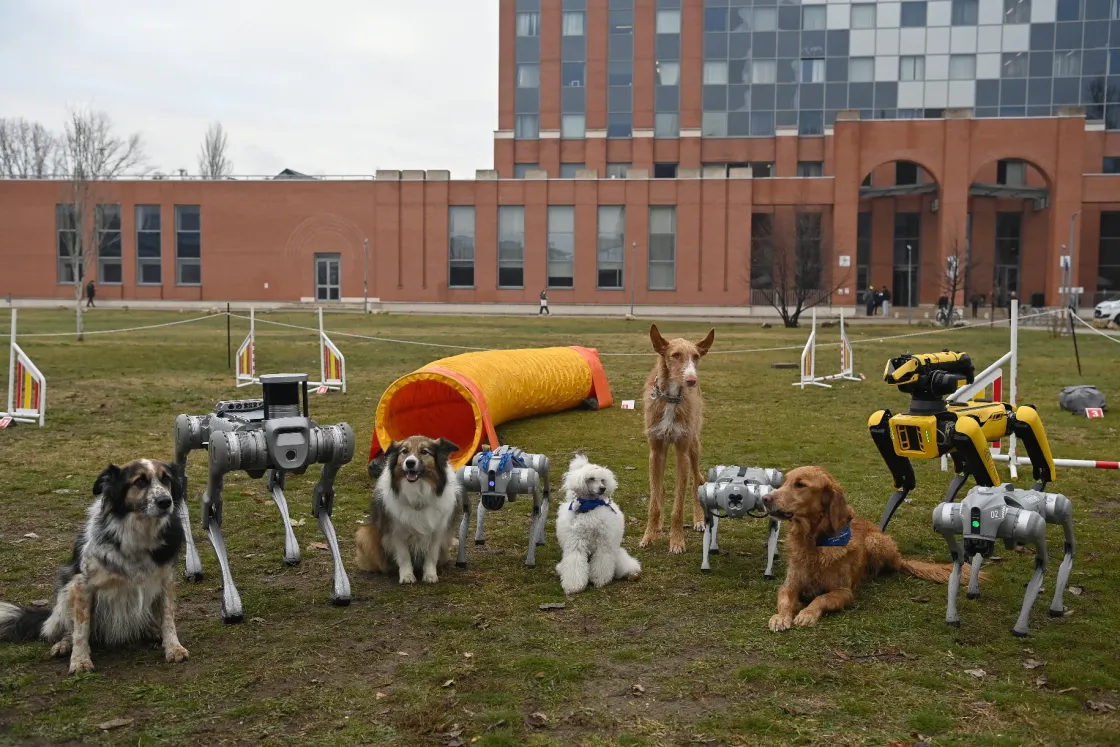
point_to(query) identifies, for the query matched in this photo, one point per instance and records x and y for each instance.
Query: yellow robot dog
(933, 427)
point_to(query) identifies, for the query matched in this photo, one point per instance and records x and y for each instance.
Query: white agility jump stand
(808, 375)
(27, 387)
(993, 376)
(332, 363)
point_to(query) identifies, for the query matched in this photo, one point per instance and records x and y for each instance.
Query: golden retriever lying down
(829, 549)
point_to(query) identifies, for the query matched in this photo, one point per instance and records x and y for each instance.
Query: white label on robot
(627, 404)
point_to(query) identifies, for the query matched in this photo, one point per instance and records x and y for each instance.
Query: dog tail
(367, 552)
(937, 572)
(21, 623)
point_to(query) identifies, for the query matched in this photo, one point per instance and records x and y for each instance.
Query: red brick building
(599, 205)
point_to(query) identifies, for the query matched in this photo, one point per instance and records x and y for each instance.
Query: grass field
(675, 658)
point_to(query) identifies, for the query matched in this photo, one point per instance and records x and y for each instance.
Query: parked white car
(1108, 310)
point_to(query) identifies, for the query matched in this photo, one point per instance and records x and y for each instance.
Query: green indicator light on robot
(975, 524)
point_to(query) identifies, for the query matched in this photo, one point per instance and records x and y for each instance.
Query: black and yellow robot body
(933, 427)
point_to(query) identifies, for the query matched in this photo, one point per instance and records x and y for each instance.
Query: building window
(188, 245)
(572, 74)
(907, 255)
(621, 22)
(913, 14)
(907, 172)
(761, 169)
(460, 246)
(528, 24)
(962, 67)
(713, 124)
(668, 21)
(561, 246)
(1067, 64)
(1069, 10)
(669, 73)
(911, 68)
(1115, 15)
(1011, 173)
(715, 19)
(69, 244)
(813, 17)
(573, 126)
(807, 254)
(861, 70)
(664, 171)
(620, 74)
(1015, 65)
(573, 23)
(764, 71)
(612, 246)
(762, 252)
(528, 75)
(108, 219)
(965, 12)
(568, 170)
(867, 180)
(619, 125)
(863, 257)
(1016, 11)
(511, 246)
(863, 16)
(1111, 165)
(521, 169)
(1108, 264)
(617, 170)
(765, 19)
(1009, 228)
(715, 73)
(666, 125)
(149, 245)
(526, 127)
(811, 70)
(662, 247)
(810, 168)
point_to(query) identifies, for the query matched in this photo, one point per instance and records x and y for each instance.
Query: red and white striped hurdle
(332, 363)
(27, 387)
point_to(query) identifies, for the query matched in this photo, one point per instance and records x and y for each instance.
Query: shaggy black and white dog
(119, 586)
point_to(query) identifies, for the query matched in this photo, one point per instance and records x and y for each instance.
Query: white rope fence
(1102, 333)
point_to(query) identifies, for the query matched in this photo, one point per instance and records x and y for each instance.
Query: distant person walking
(885, 295)
(869, 300)
(544, 304)
(90, 293)
(977, 299)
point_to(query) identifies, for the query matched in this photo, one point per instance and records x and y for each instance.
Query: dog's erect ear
(445, 448)
(834, 507)
(659, 343)
(704, 345)
(108, 477)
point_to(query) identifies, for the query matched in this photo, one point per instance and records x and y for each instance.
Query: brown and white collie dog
(411, 514)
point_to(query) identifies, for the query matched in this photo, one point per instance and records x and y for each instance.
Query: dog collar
(658, 394)
(837, 540)
(583, 505)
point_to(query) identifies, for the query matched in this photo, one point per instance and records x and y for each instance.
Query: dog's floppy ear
(109, 476)
(392, 453)
(704, 345)
(834, 508)
(578, 461)
(659, 343)
(445, 448)
(175, 473)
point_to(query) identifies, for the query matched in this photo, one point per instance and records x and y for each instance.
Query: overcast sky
(319, 86)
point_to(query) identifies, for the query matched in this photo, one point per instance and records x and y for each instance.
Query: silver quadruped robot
(271, 434)
(498, 476)
(1017, 517)
(735, 492)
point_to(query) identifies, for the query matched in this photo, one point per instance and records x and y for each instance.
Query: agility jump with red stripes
(27, 387)
(332, 363)
(808, 376)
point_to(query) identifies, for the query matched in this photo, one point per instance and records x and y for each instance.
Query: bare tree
(213, 161)
(91, 153)
(787, 263)
(952, 283)
(28, 150)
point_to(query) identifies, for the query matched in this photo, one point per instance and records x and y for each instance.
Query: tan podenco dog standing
(674, 414)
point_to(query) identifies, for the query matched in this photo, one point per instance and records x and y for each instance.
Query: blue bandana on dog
(836, 540)
(589, 504)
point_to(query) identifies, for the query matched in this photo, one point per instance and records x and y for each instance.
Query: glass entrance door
(328, 285)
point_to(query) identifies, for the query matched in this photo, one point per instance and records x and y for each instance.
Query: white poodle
(589, 526)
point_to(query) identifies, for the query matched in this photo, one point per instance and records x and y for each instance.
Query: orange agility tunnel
(465, 397)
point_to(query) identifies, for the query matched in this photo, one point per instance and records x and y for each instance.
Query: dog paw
(176, 655)
(778, 623)
(407, 577)
(570, 589)
(806, 619)
(62, 648)
(81, 665)
(676, 546)
(634, 576)
(647, 540)
(430, 577)
(698, 526)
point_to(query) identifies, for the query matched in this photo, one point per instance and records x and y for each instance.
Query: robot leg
(900, 467)
(772, 547)
(322, 506)
(948, 522)
(536, 520)
(1027, 425)
(1028, 527)
(970, 442)
(276, 488)
(1063, 514)
(464, 528)
(231, 610)
(480, 533)
(710, 521)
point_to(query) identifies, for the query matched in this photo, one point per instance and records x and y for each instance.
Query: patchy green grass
(675, 658)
